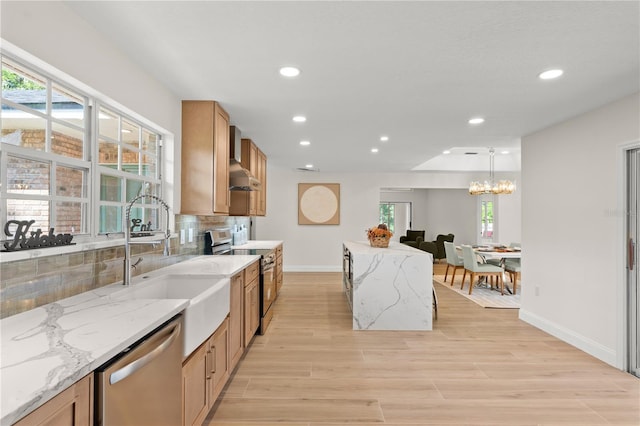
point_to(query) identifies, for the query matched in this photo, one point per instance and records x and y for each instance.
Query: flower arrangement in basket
(379, 236)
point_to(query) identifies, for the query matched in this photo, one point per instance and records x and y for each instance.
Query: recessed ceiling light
(446, 152)
(305, 143)
(299, 118)
(309, 166)
(550, 74)
(504, 152)
(476, 120)
(374, 150)
(289, 71)
(384, 138)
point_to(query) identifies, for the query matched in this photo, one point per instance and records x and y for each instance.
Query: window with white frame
(487, 221)
(127, 168)
(48, 170)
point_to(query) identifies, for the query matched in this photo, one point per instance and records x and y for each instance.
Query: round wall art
(318, 203)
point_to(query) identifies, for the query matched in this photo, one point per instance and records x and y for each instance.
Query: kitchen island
(388, 288)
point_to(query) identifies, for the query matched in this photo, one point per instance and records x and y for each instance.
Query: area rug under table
(485, 297)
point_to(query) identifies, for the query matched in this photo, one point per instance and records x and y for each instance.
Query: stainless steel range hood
(240, 179)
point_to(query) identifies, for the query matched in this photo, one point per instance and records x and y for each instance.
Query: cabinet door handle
(632, 254)
(213, 360)
(207, 364)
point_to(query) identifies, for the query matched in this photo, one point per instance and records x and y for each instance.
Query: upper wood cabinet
(251, 203)
(261, 209)
(205, 159)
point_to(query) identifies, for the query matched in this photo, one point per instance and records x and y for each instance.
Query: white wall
(59, 40)
(453, 211)
(572, 273)
(319, 247)
(441, 211)
(418, 199)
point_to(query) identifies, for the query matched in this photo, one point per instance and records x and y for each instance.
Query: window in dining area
(486, 220)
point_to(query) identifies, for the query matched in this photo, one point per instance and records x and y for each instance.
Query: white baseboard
(583, 343)
(312, 268)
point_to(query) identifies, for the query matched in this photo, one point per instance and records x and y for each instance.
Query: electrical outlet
(190, 235)
(182, 236)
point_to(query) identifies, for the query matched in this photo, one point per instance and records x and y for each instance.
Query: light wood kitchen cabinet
(73, 406)
(279, 274)
(204, 374)
(195, 405)
(205, 159)
(261, 209)
(251, 203)
(252, 310)
(219, 361)
(251, 303)
(236, 320)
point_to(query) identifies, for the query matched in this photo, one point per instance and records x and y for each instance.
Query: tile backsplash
(27, 284)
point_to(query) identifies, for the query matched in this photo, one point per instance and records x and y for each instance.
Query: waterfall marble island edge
(388, 288)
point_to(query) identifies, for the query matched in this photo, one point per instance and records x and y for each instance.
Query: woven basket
(380, 242)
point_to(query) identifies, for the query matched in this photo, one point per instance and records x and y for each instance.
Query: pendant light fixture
(490, 186)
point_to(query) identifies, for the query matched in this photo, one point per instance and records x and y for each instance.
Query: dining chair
(474, 268)
(453, 260)
(512, 266)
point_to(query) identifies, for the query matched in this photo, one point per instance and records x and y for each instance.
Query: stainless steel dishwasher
(142, 385)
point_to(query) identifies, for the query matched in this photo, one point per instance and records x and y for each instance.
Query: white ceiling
(415, 71)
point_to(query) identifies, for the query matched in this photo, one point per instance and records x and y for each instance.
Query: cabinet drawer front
(251, 272)
(239, 277)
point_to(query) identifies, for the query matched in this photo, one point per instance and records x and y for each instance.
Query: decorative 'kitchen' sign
(23, 239)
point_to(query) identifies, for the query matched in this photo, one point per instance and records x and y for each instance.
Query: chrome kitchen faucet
(126, 279)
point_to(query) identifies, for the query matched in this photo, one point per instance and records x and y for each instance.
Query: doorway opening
(397, 216)
(487, 220)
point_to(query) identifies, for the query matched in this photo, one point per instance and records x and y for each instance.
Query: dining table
(496, 252)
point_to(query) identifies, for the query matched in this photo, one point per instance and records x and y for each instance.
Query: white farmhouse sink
(208, 307)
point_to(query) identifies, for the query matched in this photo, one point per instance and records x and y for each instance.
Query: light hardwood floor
(478, 366)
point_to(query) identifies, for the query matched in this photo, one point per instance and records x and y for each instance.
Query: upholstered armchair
(413, 238)
(440, 239)
(429, 246)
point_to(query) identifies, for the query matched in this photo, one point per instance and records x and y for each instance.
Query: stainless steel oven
(268, 289)
(218, 242)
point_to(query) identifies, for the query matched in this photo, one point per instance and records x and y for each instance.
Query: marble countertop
(47, 349)
(363, 247)
(259, 245)
(389, 288)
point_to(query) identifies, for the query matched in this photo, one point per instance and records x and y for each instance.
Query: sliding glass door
(633, 275)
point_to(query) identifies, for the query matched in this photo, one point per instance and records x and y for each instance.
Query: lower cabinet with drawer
(251, 302)
(206, 371)
(251, 310)
(204, 374)
(236, 319)
(72, 406)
